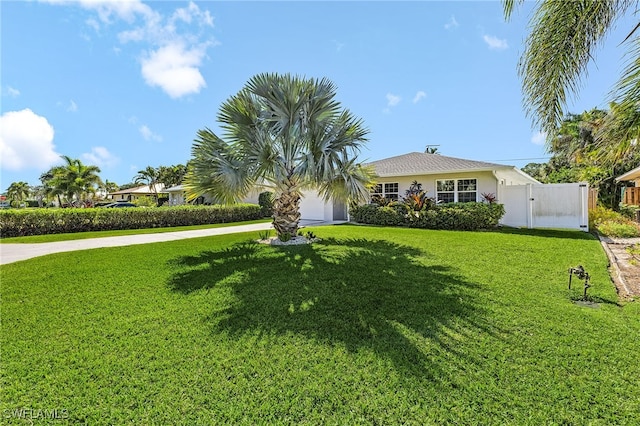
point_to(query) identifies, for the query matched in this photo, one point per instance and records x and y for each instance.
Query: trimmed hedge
(452, 216)
(18, 223)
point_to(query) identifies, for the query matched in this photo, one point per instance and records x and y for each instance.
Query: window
(386, 190)
(457, 190)
(391, 191)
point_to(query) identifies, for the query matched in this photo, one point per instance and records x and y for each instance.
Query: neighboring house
(631, 194)
(132, 194)
(447, 179)
(178, 196)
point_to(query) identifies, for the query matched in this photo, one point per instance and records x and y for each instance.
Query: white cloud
(174, 69)
(126, 10)
(393, 100)
(26, 141)
(148, 135)
(100, 156)
(73, 107)
(452, 23)
(12, 92)
(419, 96)
(539, 138)
(495, 43)
(176, 43)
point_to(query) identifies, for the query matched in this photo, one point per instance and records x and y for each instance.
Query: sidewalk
(10, 253)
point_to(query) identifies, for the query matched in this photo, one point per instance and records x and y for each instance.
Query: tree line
(76, 184)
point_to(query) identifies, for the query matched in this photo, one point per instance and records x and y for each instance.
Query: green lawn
(368, 326)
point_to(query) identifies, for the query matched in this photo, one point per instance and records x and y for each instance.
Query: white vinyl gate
(560, 205)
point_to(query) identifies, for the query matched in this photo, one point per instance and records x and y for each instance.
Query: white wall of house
(313, 207)
(486, 182)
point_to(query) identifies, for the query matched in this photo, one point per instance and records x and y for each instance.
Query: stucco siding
(486, 181)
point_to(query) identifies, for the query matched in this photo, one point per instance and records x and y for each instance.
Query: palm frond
(558, 50)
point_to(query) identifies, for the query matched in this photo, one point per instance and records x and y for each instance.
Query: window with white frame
(385, 190)
(457, 190)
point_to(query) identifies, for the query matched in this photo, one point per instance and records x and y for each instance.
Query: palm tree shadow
(357, 293)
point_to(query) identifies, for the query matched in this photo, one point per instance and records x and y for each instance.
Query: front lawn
(370, 325)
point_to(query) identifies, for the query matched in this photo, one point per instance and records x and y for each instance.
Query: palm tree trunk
(286, 212)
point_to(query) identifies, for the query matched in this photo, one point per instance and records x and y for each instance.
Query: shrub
(628, 211)
(17, 223)
(453, 216)
(619, 230)
(612, 224)
(265, 200)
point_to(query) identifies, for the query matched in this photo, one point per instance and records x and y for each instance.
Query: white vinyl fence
(561, 205)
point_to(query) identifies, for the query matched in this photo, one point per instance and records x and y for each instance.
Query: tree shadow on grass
(357, 293)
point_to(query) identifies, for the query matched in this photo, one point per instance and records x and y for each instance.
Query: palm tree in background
(563, 39)
(148, 176)
(77, 180)
(18, 191)
(285, 133)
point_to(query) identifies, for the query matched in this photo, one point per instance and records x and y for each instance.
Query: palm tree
(76, 180)
(18, 191)
(148, 176)
(286, 133)
(563, 39)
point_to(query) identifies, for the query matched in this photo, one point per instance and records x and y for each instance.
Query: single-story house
(132, 194)
(447, 179)
(631, 195)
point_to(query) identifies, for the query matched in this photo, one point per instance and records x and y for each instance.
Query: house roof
(419, 163)
(630, 175)
(140, 190)
(175, 188)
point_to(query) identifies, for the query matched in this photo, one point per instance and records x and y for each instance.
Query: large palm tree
(563, 39)
(288, 134)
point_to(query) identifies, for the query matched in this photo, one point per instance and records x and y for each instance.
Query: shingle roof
(419, 163)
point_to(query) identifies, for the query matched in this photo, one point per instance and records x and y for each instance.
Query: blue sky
(127, 84)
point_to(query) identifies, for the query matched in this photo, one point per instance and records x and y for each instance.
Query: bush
(628, 211)
(17, 223)
(265, 200)
(612, 224)
(453, 216)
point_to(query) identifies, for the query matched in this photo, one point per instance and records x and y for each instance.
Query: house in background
(178, 197)
(133, 194)
(631, 194)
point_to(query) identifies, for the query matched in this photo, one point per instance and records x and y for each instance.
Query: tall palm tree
(150, 177)
(18, 191)
(286, 133)
(563, 39)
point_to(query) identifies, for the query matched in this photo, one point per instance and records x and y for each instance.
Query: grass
(367, 326)
(116, 233)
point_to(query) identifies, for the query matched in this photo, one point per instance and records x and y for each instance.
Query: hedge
(452, 216)
(17, 223)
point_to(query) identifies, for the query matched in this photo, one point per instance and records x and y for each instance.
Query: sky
(127, 84)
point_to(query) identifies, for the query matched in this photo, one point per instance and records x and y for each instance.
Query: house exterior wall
(313, 207)
(486, 181)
